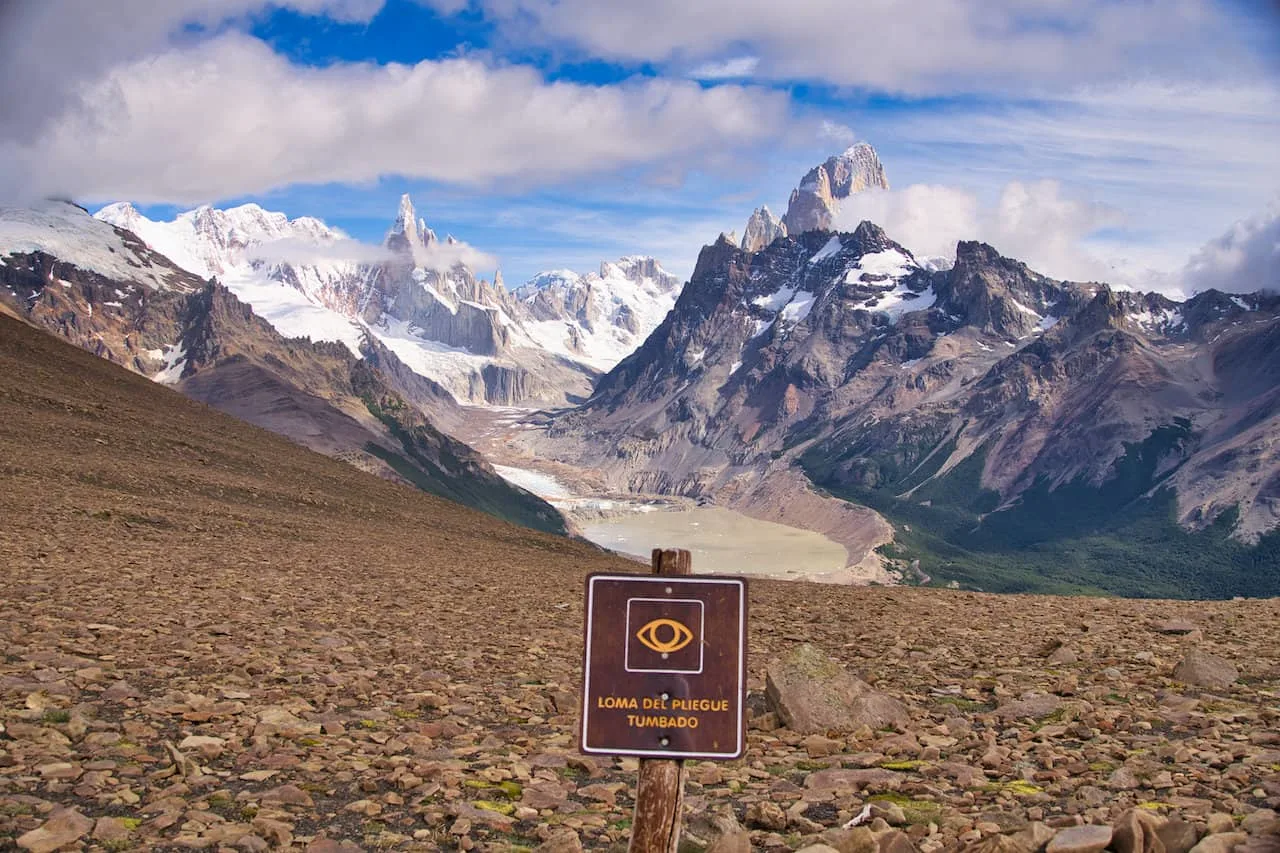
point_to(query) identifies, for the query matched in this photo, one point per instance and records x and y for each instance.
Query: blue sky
(1094, 139)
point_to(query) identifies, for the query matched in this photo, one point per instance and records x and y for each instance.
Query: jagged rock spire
(814, 203)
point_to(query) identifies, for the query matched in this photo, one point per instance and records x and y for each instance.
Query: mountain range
(968, 422)
(993, 415)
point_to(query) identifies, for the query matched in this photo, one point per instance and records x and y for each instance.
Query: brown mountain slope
(108, 293)
(364, 662)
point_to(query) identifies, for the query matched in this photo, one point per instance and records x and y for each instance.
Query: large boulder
(812, 693)
(1205, 670)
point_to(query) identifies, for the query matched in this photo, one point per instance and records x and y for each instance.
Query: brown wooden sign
(665, 666)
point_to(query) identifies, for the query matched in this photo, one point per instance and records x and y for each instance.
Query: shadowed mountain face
(199, 338)
(987, 391)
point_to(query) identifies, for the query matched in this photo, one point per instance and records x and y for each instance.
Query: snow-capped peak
(602, 316)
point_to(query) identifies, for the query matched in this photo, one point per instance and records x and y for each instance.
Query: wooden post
(660, 788)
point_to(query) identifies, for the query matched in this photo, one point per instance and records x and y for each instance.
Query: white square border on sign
(740, 747)
(702, 623)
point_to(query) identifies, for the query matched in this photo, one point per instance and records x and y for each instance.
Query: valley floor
(722, 539)
(209, 636)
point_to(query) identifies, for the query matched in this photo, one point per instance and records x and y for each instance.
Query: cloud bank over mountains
(1036, 125)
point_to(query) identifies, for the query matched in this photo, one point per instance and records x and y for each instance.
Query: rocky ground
(211, 639)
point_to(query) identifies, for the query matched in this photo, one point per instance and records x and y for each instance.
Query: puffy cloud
(229, 117)
(442, 256)
(1033, 222)
(837, 134)
(299, 251)
(938, 46)
(52, 49)
(1245, 259)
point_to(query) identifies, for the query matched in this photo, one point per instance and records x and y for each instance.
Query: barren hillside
(213, 638)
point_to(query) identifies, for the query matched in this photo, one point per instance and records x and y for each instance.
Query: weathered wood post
(660, 788)
(664, 678)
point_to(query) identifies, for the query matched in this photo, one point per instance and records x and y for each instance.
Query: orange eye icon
(664, 636)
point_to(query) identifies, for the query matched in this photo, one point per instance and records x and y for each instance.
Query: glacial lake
(721, 541)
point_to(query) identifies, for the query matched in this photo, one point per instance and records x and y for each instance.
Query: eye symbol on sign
(664, 635)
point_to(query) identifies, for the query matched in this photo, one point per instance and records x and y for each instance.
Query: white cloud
(230, 117)
(935, 46)
(52, 49)
(1033, 222)
(728, 69)
(299, 251)
(1245, 259)
(442, 256)
(838, 134)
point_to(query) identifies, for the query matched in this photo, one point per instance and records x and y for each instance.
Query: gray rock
(1205, 670)
(814, 694)
(1080, 839)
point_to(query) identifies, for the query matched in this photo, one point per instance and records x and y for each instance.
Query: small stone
(859, 839)
(120, 691)
(1176, 626)
(287, 795)
(1178, 836)
(278, 833)
(734, 841)
(818, 848)
(208, 747)
(1030, 706)
(251, 843)
(895, 841)
(1122, 779)
(110, 829)
(368, 808)
(766, 815)
(1263, 820)
(1080, 839)
(1205, 670)
(561, 841)
(1219, 822)
(1063, 654)
(818, 746)
(64, 827)
(1222, 842)
(328, 845)
(1135, 832)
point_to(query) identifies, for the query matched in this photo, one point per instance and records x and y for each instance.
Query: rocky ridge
(317, 701)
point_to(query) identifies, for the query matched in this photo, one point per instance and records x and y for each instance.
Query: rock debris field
(213, 639)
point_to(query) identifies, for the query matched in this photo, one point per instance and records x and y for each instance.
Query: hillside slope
(210, 636)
